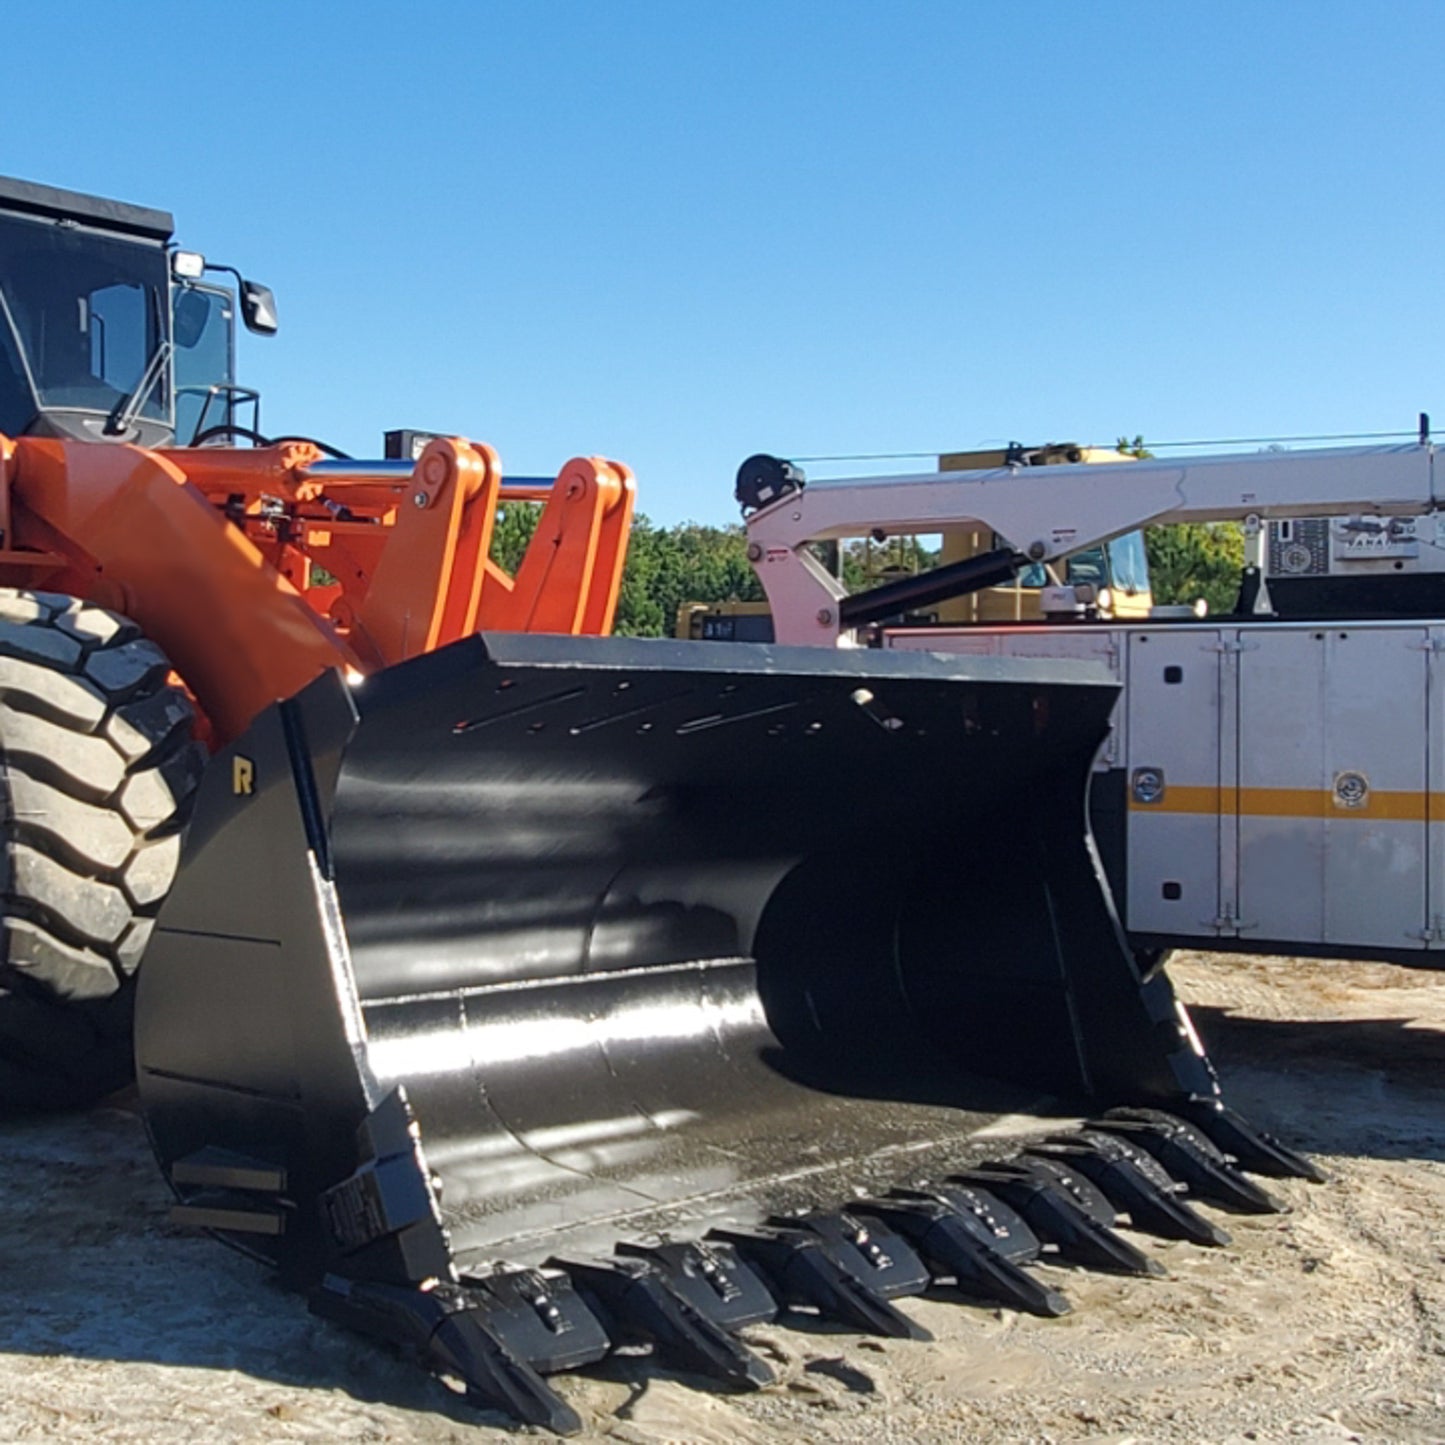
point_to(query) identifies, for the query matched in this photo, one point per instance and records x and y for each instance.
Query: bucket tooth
(954, 1249)
(638, 1302)
(998, 1224)
(1135, 1182)
(1053, 1209)
(1256, 1149)
(802, 1271)
(1192, 1157)
(874, 1254)
(497, 1337)
(542, 1315)
(711, 1278)
(1077, 1186)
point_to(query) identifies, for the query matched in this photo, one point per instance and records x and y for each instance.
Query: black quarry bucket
(535, 943)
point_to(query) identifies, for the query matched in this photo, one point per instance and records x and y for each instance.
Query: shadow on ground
(1368, 1086)
(96, 1272)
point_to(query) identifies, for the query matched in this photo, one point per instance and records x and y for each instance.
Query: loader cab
(107, 333)
(84, 317)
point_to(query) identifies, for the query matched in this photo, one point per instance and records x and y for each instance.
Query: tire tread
(97, 768)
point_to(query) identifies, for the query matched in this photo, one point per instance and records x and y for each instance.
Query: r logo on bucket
(243, 776)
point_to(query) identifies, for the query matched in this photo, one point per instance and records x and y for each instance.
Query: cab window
(203, 334)
(1128, 563)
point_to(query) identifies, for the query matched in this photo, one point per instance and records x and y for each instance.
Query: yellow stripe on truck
(1397, 807)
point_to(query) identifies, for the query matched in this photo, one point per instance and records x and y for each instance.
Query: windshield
(1087, 566)
(1129, 563)
(204, 337)
(87, 313)
(1127, 567)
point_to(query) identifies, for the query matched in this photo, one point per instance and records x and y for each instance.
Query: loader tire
(97, 766)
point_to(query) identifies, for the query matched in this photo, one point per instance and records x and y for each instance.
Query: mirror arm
(246, 296)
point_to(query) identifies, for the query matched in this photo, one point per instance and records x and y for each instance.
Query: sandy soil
(1324, 1324)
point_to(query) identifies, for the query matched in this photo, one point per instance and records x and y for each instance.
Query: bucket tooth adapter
(1134, 1181)
(1064, 1209)
(538, 949)
(1189, 1155)
(807, 1273)
(644, 1303)
(973, 1239)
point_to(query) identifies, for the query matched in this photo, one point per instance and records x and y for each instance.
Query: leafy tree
(1190, 560)
(665, 567)
(1196, 559)
(511, 532)
(869, 563)
(686, 563)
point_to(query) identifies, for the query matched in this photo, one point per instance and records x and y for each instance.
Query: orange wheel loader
(517, 992)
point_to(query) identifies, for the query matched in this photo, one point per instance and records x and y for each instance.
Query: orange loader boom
(215, 553)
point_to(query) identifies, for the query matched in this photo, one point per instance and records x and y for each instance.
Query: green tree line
(666, 567)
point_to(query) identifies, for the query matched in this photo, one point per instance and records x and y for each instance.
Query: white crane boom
(1049, 512)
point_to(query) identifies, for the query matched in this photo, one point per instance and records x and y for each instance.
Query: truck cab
(108, 332)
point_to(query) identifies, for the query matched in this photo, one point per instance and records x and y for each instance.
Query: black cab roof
(50, 201)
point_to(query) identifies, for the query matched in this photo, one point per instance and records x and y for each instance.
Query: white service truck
(1272, 784)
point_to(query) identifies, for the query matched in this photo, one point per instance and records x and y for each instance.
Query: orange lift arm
(570, 578)
(136, 536)
(214, 552)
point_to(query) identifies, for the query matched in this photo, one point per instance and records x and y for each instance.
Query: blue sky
(680, 233)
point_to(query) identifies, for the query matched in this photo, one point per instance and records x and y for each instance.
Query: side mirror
(258, 308)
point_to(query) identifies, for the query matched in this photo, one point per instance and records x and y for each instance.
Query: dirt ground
(1324, 1324)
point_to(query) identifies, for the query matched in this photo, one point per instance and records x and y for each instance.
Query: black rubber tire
(98, 764)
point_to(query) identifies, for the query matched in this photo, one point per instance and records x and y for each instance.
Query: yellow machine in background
(724, 622)
(1118, 569)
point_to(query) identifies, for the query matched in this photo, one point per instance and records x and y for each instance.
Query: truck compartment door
(1333, 789)
(1173, 781)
